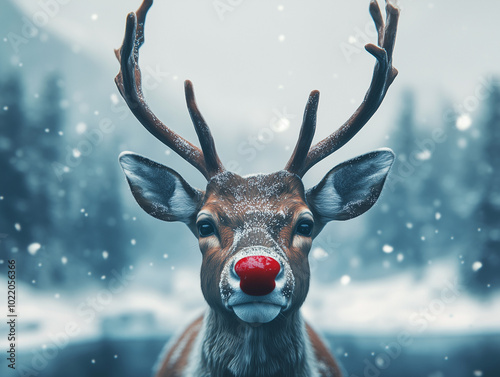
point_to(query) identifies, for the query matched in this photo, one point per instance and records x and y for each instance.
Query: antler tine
(296, 162)
(212, 162)
(128, 82)
(383, 76)
(378, 20)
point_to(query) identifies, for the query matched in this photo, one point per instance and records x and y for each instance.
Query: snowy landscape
(411, 288)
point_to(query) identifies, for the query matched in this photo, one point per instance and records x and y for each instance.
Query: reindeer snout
(257, 274)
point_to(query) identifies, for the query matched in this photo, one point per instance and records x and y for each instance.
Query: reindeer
(254, 232)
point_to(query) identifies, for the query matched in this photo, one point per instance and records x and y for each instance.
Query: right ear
(351, 188)
(161, 191)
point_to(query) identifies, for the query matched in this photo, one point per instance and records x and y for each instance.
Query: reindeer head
(255, 232)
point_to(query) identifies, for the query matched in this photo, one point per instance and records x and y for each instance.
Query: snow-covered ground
(435, 304)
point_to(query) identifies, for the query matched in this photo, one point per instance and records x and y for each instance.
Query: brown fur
(322, 353)
(171, 368)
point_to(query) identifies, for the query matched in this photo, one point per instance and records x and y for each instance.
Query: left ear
(161, 191)
(351, 188)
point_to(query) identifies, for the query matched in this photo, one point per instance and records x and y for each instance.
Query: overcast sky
(265, 56)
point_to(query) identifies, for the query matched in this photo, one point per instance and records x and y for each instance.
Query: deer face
(255, 232)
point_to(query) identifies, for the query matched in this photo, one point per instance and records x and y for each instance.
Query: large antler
(128, 81)
(383, 76)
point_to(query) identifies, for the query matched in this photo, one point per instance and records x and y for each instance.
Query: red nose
(257, 274)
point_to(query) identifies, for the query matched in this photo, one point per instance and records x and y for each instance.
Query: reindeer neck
(228, 348)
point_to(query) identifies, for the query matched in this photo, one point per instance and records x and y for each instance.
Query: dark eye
(305, 228)
(205, 229)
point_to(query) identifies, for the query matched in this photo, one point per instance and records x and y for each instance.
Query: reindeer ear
(351, 188)
(160, 191)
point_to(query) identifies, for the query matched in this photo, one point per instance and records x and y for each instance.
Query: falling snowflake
(33, 248)
(387, 249)
(81, 128)
(345, 280)
(476, 266)
(319, 253)
(424, 155)
(464, 122)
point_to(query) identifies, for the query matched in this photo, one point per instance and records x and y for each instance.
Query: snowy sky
(266, 56)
